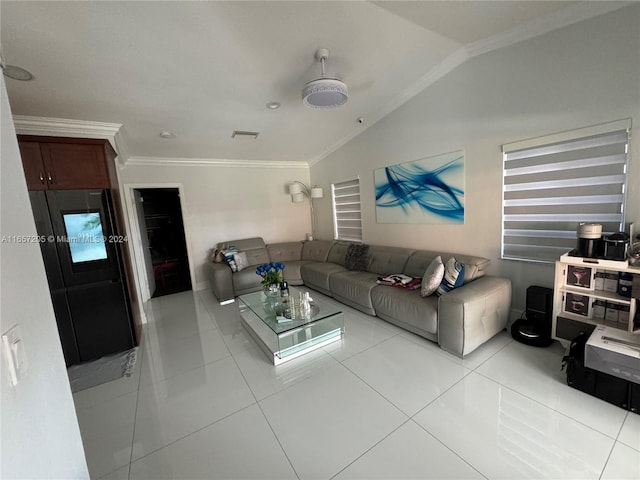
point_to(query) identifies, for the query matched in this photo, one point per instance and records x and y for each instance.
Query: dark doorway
(166, 240)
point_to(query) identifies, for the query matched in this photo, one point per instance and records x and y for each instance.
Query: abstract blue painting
(429, 190)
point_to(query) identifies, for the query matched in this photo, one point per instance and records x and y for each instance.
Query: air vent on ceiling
(245, 134)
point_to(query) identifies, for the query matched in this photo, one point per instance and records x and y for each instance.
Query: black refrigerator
(82, 258)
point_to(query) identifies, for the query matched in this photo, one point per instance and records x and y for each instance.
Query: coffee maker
(589, 240)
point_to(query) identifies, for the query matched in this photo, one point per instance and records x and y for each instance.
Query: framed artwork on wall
(429, 190)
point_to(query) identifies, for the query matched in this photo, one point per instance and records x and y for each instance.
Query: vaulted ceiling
(204, 69)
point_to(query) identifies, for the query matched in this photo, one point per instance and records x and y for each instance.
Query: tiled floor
(206, 403)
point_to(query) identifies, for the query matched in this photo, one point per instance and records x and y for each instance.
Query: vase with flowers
(271, 274)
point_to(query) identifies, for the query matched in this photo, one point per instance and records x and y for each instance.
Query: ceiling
(205, 69)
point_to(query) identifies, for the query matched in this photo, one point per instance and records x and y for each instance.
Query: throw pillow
(356, 257)
(228, 258)
(241, 260)
(432, 277)
(453, 276)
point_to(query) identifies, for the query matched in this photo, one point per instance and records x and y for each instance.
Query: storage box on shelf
(590, 292)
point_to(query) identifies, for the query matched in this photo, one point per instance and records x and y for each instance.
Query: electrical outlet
(15, 355)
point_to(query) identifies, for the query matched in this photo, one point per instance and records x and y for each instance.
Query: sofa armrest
(470, 315)
(220, 279)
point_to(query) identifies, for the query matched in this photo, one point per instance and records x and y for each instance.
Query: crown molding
(63, 127)
(207, 162)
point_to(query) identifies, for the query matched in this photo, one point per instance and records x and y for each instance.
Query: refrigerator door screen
(85, 236)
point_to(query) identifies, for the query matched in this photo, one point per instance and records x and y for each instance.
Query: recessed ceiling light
(273, 105)
(167, 134)
(17, 73)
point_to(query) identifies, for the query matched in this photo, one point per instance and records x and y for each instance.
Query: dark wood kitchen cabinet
(65, 163)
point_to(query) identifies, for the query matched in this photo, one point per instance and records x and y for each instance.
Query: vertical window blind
(347, 217)
(553, 183)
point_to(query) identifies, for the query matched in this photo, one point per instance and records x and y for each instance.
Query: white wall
(230, 202)
(582, 75)
(40, 434)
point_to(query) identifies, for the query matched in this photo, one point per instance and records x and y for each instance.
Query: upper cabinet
(65, 163)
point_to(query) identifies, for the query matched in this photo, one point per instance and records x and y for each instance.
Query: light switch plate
(15, 355)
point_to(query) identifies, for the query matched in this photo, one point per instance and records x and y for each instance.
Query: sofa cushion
(432, 277)
(246, 281)
(291, 273)
(255, 249)
(282, 252)
(338, 252)
(357, 257)
(407, 309)
(354, 288)
(453, 276)
(316, 250)
(389, 260)
(316, 275)
(475, 267)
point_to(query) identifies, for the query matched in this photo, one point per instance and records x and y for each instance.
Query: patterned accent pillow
(453, 276)
(432, 277)
(228, 258)
(356, 257)
(241, 260)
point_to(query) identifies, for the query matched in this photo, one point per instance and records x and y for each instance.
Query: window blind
(552, 184)
(347, 218)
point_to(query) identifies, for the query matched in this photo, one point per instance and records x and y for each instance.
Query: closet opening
(164, 243)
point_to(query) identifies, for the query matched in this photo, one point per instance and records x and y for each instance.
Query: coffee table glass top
(267, 308)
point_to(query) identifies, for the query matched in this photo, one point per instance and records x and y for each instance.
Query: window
(553, 183)
(347, 219)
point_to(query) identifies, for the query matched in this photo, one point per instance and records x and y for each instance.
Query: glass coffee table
(285, 339)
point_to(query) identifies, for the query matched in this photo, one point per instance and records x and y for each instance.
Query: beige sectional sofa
(459, 321)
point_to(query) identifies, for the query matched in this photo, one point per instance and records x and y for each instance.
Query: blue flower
(270, 272)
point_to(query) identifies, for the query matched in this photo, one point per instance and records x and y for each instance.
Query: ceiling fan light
(325, 93)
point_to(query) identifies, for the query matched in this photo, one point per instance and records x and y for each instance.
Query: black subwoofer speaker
(535, 329)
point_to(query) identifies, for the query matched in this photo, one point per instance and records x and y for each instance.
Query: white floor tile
(515, 417)
(535, 372)
(630, 433)
(506, 435)
(326, 421)
(177, 316)
(233, 333)
(264, 379)
(241, 446)
(361, 332)
(173, 408)
(109, 451)
(120, 474)
(106, 417)
(472, 360)
(409, 452)
(623, 464)
(107, 432)
(166, 360)
(405, 373)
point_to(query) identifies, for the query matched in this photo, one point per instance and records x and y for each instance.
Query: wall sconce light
(299, 191)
